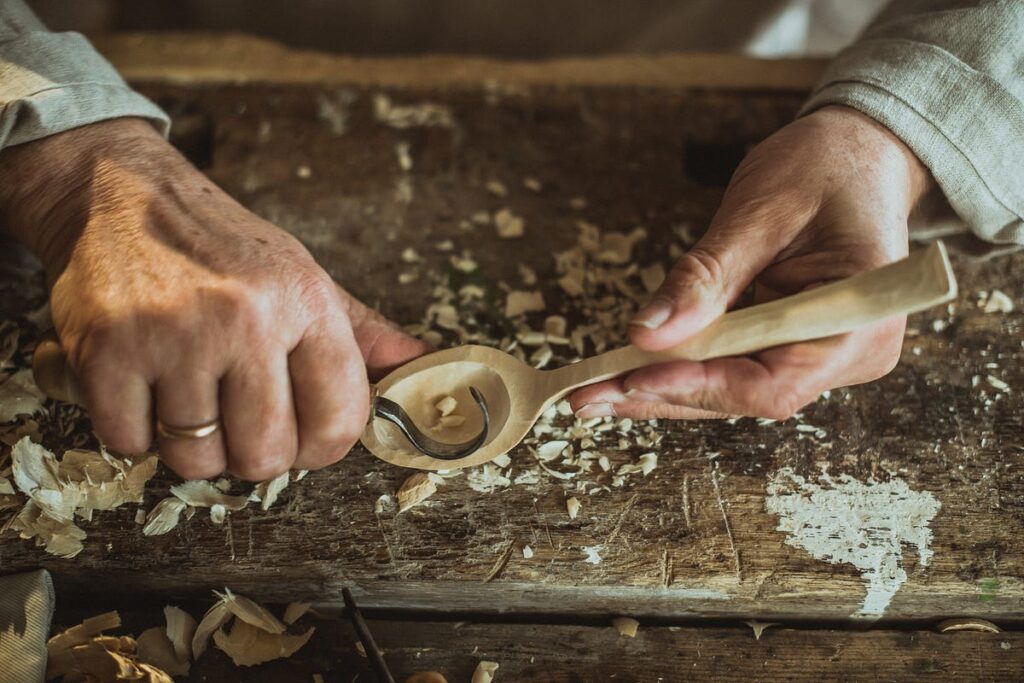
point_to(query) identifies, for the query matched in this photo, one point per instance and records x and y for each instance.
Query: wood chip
(266, 492)
(446, 405)
(626, 626)
(19, 395)
(998, 302)
(652, 277)
(497, 188)
(415, 490)
(508, 225)
(294, 611)
(202, 493)
(155, 648)
(248, 645)
(519, 303)
(967, 624)
(215, 617)
(218, 513)
(759, 627)
(484, 672)
(251, 612)
(164, 517)
(527, 552)
(573, 506)
(181, 628)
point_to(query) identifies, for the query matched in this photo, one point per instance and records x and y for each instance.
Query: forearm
(45, 185)
(948, 79)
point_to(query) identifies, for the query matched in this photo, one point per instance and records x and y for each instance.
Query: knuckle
(124, 440)
(699, 266)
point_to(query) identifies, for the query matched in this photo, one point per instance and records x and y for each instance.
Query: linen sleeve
(53, 82)
(947, 78)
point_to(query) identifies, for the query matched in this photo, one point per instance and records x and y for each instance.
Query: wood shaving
(519, 303)
(81, 482)
(409, 255)
(555, 326)
(155, 648)
(164, 517)
(19, 395)
(201, 493)
(573, 506)
(447, 405)
(414, 491)
(995, 301)
(648, 461)
(81, 654)
(527, 552)
(968, 624)
(578, 203)
(997, 383)
(248, 645)
(266, 492)
(527, 275)
(215, 617)
(508, 225)
(181, 628)
(484, 672)
(251, 612)
(497, 188)
(423, 115)
(626, 626)
(532, 184)
(759, 627)
(295, 610)
(218, 513)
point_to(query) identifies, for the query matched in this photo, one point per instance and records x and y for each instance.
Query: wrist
(46, 184)
(871, 137)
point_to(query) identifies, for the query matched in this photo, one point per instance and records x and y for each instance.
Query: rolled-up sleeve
(52, 82)
(947, 77)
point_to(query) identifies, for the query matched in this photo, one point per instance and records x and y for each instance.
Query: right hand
(174, 302)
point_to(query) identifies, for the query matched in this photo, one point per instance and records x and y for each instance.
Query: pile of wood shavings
(245, 630)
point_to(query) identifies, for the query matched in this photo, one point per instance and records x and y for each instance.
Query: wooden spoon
(516, 394)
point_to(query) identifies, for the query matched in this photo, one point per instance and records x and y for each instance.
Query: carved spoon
(516, 394)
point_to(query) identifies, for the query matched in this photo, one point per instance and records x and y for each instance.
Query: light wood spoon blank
(517, 394)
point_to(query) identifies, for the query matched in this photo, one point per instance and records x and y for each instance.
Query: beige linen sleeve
(52, 82)
(947, 77)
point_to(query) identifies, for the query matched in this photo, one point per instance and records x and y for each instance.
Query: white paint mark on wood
(845, 521)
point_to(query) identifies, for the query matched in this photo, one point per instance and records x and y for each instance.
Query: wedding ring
(197, 432)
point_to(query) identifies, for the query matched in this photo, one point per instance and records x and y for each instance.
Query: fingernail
(653, 315)
(592, 410)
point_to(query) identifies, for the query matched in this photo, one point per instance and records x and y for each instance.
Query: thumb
(711, 276)
(383, 345)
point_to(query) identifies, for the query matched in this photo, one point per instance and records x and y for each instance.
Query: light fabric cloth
(52, 82)
(947, 77)
(26, 609)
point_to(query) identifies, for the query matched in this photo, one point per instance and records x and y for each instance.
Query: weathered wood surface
(639, 156)
(582, 654)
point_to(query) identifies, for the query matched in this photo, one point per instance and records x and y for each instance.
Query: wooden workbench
(645, 142)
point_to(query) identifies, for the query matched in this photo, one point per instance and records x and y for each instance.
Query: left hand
(824, 198)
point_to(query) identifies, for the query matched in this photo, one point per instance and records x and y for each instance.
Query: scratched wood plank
(656, 157)
(566, 653)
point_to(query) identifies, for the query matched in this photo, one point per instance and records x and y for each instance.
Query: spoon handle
(920, 281)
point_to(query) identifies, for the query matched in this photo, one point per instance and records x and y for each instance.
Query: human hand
(173, 301)
(824, 198)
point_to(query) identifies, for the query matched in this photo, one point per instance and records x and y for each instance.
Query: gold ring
(197, 432)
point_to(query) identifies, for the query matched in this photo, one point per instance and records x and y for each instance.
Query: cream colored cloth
(947, 77)
(52, 82)
(26, 609)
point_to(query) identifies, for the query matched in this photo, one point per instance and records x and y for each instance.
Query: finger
(383, 346)
(259, 416)
(744, 237)
(331, 394)
(120, 405)
(612, 399)
(187, 397)
(777, 382)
